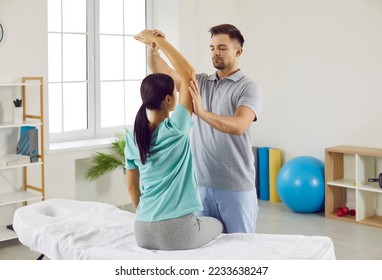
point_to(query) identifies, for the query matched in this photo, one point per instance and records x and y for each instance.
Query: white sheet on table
(106, 232)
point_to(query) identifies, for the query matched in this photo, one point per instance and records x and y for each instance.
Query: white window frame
(94, 129)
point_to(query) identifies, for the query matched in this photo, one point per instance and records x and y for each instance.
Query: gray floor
(351, 241)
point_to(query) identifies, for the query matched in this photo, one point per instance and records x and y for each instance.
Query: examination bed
(69, 229)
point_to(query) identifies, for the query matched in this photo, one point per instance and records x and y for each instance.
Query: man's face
(224, 51)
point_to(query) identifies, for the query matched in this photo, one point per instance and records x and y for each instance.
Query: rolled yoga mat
(263, 161)
(274, 168)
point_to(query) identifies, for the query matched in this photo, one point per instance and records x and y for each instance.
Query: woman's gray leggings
(186, 232)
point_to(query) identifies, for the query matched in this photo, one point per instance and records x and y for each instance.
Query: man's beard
(219, 65)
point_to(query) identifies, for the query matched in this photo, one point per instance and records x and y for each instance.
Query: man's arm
(132, 181)
(236, 124)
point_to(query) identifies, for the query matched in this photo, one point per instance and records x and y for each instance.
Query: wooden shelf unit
(340, 183)
(28, 192)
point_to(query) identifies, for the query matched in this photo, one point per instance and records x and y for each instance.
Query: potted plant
(102, 163)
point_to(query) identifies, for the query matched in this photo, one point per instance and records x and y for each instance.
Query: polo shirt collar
(234, 77)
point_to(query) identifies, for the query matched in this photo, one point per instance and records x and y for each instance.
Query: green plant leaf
(119, 145)
(102, 163)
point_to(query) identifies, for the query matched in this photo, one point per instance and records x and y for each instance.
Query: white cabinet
(347, 170)
(16, 192)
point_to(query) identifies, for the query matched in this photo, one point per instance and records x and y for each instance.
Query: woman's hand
(196, 98)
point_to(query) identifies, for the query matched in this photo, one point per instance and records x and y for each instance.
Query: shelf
(19, 84)
(370, 189)
(358, 163)
(349, 184)
(343, 218)
(6, 234)
(345, 183)
(19, 196)
(27, 193)
(372, 221)
(353, 150)
(22, 165)
(13, 125)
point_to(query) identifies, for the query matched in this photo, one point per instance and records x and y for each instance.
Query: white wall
(23, 51)
(319, 64)
(66, 178)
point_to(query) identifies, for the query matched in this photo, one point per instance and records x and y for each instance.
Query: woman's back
(169, 187)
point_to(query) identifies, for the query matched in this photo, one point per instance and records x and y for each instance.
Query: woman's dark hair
(228, 29)
(154, 89)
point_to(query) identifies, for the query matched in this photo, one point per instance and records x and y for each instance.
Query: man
(226, 108)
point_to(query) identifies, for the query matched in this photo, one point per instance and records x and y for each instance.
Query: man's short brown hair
(228, 29)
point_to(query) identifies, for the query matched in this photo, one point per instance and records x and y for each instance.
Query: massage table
(74, 230)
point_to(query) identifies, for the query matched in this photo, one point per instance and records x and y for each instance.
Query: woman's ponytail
(154, 89)
(142, 133)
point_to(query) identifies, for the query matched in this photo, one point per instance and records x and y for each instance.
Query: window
(95, 66)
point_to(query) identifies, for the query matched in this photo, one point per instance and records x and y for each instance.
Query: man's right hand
(145, 36)
(197, 103)
(153, 46)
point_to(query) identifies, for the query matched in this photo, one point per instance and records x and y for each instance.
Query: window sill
(80, 145)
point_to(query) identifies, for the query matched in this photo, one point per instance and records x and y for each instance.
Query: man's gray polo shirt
(224, 160)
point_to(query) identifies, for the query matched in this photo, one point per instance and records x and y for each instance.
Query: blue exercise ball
(300, 184)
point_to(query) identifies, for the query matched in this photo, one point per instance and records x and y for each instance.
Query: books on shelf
(14, 159)
(28, 143)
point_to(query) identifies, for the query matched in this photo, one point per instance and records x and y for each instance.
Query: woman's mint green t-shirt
(169, 186)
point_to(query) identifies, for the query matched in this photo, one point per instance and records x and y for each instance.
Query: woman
(158, 154)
